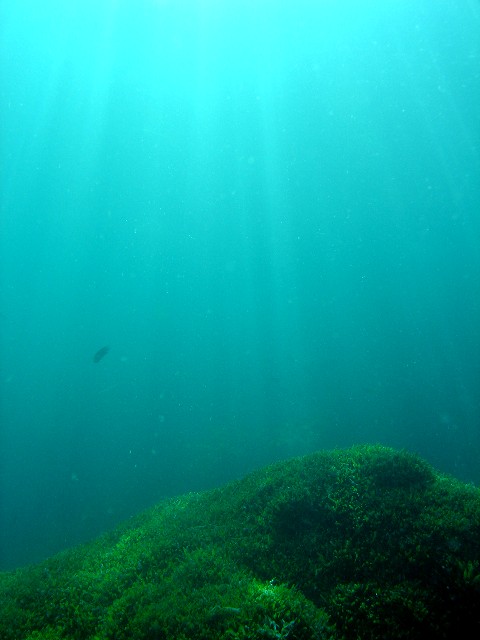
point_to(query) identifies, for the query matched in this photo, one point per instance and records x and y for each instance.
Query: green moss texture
(365, 543)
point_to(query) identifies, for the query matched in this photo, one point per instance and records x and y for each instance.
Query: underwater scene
(239, 319)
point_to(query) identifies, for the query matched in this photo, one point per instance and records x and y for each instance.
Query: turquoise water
(268, 211)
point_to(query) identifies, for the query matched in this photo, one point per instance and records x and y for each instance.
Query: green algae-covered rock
(363, 543)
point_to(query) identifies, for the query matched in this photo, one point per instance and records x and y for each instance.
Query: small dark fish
(101, 353)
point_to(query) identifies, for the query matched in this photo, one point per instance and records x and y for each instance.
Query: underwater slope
(367, 542)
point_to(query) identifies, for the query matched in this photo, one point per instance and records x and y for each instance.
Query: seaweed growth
(365, 543)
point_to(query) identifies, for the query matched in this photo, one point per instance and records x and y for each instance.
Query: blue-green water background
(270, 211)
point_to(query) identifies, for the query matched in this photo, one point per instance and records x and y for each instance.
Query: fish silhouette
(101, 353)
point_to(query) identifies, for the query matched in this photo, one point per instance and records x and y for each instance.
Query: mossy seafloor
(350, 544)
